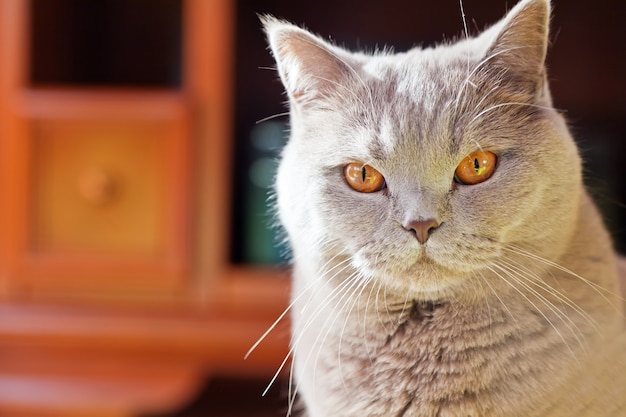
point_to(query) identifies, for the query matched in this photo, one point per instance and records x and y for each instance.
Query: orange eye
(363, 178)
(477, 167)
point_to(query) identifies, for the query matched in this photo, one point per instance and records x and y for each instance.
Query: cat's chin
(423, 279)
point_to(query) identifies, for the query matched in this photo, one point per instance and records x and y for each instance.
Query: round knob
(96, 186)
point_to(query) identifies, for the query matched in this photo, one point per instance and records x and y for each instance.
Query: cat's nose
(422, 229)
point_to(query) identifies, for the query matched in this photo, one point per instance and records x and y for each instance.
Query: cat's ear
(517, 47)
(309, 68)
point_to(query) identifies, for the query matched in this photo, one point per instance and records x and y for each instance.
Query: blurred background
(138, 143)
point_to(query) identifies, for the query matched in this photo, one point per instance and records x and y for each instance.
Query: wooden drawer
(99, 186)
(107, 201)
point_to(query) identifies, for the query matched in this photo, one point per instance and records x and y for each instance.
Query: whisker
(475, 70)
(466, 34)
(513, 103)
(344, 290)
(560, 296)
(275, 116)
(464, 19)
(319, 277)
(390, 320)
(565, 318)
(291, 392)
(380, 319)
(486, 96)
(520, 292)
(278, 372)
(597, 288)
(365, 317)
(494, 292)
(406, 302)
(286, 311)
(363, 285)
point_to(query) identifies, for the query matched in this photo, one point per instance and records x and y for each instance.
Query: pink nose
(422, 229)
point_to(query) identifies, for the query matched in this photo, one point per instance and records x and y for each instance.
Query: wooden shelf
(117, 296)
(81, 359)
(111, 396)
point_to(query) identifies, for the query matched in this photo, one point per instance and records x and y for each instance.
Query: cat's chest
(428, 360)
(431, 343)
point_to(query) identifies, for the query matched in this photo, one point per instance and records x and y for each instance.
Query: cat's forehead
(426, 76)
(412, 101)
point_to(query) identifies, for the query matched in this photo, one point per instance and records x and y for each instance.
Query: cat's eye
(477, 167)
(363, 178)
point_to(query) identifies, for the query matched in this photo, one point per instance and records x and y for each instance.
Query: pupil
(363, 173)
(476, 165)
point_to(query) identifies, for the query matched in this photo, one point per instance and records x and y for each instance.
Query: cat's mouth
(440, 266)
(420, 274)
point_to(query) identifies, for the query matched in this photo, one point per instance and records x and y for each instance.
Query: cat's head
(425, 166)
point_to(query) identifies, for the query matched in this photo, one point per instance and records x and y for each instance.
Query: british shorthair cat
(447, 260)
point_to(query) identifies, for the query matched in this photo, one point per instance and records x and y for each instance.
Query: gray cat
(447, 259)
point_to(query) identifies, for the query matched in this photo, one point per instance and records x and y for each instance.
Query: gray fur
(511, 301)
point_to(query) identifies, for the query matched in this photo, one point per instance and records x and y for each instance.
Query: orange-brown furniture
(117, 296)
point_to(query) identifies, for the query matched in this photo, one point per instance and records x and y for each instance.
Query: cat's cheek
(350, 215)
(360, 264)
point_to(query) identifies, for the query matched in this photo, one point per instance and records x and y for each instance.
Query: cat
(447, 260)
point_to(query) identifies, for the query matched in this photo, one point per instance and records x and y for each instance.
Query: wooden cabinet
(117, 296)
(107, 175)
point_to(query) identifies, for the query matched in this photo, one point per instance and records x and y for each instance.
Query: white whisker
(286, 311)
(380, 319)
(342, 291)
(406, 302)
(537, 309)
(363, 285)
(466, 34)
(560, 296)
(562, 315)
(275, 116)
(513, 103)
(478, 67)
(597, 288)
(365, 319)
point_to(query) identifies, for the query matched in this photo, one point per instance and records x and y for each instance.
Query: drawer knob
(97, 186)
